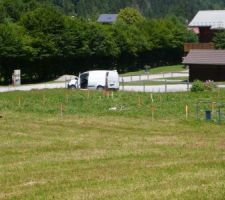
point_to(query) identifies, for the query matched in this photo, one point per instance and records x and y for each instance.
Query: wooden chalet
(206, 64)
(205, 24)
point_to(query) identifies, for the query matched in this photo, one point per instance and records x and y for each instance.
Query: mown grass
(92, 153)
(156, 70)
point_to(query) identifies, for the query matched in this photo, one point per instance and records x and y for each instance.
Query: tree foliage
(130, 16)
(219, 40)
(45, 43)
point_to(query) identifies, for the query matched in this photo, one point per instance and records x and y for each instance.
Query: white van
(98, 79)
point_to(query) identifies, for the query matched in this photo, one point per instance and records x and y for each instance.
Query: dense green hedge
(44, 43)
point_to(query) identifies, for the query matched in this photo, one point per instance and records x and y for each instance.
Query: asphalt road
(32, 87)
(155, 88)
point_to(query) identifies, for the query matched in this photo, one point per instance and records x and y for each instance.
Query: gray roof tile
(107, 18)
(205, 57)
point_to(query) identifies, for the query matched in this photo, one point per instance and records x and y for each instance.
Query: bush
(209, 85)
(197, 86)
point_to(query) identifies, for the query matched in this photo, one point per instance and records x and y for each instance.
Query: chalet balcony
(189, 46)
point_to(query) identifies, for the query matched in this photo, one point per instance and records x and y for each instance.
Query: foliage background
(46, 39)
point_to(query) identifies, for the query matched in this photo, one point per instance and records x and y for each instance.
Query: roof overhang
(215, 19)
(205, 57)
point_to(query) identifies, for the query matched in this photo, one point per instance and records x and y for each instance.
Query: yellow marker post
(139, 100)
(186, 110)
(152, 98)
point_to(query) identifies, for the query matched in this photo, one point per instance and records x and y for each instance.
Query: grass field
(157, 70)
(60, 144)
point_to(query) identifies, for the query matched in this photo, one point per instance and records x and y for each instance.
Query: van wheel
(100, 88)
(73, 87)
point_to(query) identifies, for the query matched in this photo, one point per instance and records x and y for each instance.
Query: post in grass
(152, 99)
(218, 92)
(112, 94)
(19, 101)
(153, 109)
(213, 107)
(88, 94)
(43, 100)
(186, 111)
(139, 101)
(61, 109)
(67, 97)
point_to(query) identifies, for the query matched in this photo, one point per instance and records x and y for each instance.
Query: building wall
(205, 34)
(206, 72)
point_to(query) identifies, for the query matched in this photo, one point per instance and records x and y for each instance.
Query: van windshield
(84, 80)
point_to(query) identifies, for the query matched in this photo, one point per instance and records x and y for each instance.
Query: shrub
(197, 86)
(209, 85)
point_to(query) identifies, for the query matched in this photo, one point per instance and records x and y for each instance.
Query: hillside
(150, 8)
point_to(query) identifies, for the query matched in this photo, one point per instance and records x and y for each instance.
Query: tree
(130, 39)
(11, 41)
(45, 25)
(47, 20)
(130, 16)
(3, 13)
(74, 40)
(101, 42)
(219, 40)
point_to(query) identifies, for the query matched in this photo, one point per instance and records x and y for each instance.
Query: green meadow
(68, 144)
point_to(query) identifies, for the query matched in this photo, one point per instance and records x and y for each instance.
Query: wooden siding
(190, 46)
(206, 72)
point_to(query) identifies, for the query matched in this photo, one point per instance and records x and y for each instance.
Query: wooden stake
(186, 110)
(152, 98)
(112, 95)
(139, 101)
(43, 100)
(67, 98)
(213, 106)
(153, 112)
(19, 102)
(88, 94)
(61, 109)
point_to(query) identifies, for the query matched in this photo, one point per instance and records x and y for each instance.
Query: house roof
(210, 18)
(107, 18)
(205, 57)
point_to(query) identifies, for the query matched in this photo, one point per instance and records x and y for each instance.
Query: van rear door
(84, 80)
(113, 80)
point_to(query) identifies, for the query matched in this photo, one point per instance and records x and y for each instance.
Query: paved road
(154, 76)
(153, 88)
(32, 87)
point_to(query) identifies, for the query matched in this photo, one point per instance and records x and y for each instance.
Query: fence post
(122, 84)
(187, 111)
(165, 86)
(144, 86)
(188, 86)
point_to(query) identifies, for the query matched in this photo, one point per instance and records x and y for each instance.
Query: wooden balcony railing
(189, 46)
